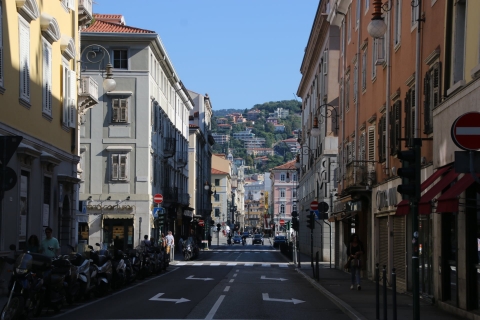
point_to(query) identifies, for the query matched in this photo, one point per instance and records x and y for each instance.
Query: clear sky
(240, 52)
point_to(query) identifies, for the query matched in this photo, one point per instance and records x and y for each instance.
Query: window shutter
(123, 167)
(115, 110)
(72, 95)
(1, 47)
(362, 146)
(71, 4)
(325, 62)
(349, 151)
(115, 162)
(354, 150)
(24, 60)
(47, 79)
(65, 95)
(124, 110)
(371, 143)
(426, 103)
(398, 124)
(437, 68)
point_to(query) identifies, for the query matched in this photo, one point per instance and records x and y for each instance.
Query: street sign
(157, 211)
(158, 198)
(323, 207)
(466, 131)
(201, 223)
(313, 205)
(282, 222)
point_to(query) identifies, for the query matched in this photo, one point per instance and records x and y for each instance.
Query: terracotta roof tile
(108, 27)
(215, 171)
(289, 165)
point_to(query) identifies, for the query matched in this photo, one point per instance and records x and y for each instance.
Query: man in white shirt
(170, 244)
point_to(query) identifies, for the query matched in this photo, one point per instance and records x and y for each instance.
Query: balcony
(87, 93)
(184, 198)
(360, 175)
(182, 158)
(85, 12)
(169, 147)
(170, 195)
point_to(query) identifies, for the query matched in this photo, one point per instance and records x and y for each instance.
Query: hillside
(261, 129)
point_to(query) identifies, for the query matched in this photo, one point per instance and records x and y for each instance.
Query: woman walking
(354, 252)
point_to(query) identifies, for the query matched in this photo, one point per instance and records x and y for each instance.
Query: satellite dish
(394, 171)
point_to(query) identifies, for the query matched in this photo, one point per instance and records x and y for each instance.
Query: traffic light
(287, 226)
(295, 223)
(409, 172)
(218, 226)
(311, 221)
(161, 217)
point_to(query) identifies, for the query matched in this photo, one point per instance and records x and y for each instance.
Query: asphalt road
(234, 282)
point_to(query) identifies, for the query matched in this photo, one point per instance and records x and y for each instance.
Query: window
(294, 193)
(367, 5)
(282, 176)
(459, 41)
(409, 115)
(364, 69)
(355, 82)
(395, 133)
(397, 22)
(432, 95)
(414, 12)
(70, 4)
(120, 60)
(374, 58)
(1, 48)
(282, 208)
(24, 33)
(47, 78)
(294, 177)
(119, 167)
(343, 37)
(294, 207)
(217, 212)
(217, 182)
(357, 18)
(362, 150)
(282, 193)
(382, 132)
(120, 110)
(349, 23)
(347, 93)
(217, 197)
(69, 96)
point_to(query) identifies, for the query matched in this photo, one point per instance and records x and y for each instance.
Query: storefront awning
(425, 205)
(448, 202)
(118, 216)
(403, 207)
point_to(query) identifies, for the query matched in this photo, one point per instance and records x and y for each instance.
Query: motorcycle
(119, 270)
(26, 285)
(101, 259)
(87, 273)
(190, 249)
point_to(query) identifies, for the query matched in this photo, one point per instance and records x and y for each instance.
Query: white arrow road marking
(265, 278)
(203, 279)
(157, 298)
(266, 298)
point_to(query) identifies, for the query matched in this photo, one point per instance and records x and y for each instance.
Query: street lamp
(93, 56)
(331, 112)
(377, 27)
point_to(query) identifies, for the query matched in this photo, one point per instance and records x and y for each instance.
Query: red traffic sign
(158, 198)
(282, 222)
(201, 223)
(466, 131)
(313, 205)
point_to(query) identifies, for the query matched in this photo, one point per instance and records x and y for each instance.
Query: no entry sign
(466, 131)
(313, 205)
(201, 223)
(282, 222)
(158, 198)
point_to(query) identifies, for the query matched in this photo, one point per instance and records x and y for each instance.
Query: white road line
(181, 264)
(237, 270)
(197, 264)
(226, 289)
(248, 264)
(235, 275)
(231, 280)
(283, 265)
(265, 264)
(214, 264)
(232, 264)
(215, 308)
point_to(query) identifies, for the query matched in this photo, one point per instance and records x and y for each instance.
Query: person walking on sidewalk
(170, 244)
(354, 252)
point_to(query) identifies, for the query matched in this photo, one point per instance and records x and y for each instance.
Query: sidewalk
(335, 285)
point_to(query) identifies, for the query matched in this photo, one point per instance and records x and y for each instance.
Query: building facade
(283, 195)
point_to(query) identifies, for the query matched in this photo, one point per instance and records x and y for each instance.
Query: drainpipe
(387, 89)
(358, 90)
(417, 73)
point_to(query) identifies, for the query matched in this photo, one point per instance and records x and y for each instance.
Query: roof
(290, 165)
(106, 26)
(215, 171)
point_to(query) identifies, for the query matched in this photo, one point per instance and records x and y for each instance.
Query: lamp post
(330, 112)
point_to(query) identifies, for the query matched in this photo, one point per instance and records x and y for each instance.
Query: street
(226, 282)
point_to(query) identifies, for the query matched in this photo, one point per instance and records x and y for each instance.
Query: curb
(346, 308)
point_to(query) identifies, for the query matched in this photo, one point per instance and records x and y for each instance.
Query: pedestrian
(354, 252)
(49, 242)
(170, 243)
(145, 242)
(33, 244)
(162, 241)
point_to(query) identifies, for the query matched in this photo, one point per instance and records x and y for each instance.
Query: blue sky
(240, 52)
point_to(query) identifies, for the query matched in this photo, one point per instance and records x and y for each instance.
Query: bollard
(377, 291)
(317, 258)
(384, 274)
(394, 293)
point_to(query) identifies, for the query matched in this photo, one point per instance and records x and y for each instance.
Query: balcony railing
(359, 175)
(170, 195)
(85, 11)
(182, 159)
(169, 147)
(87, 93)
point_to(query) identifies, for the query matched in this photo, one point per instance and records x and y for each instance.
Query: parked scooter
(26, 285)
(119, 270)
(101, 259)
(87, 273)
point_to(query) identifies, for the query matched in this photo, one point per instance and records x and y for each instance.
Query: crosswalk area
(230, 264)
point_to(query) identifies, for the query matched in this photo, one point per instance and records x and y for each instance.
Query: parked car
(257, 239)
(237, 239)
(278, 240)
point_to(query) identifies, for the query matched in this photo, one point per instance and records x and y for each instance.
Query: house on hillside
(253, 115)
(273, 120)
(260, 151)
(279, 128)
